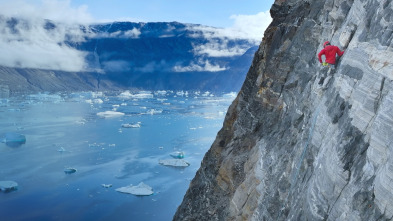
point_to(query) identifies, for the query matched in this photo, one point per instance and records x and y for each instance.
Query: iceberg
(107, 114)
(177, 154)
(154, 111)
(96, 94)
(98, 101)
(161, 93)
(174, 163)
(69, 170)
(181, 93)
(137, 125)
(140, 190)
(106, 185)
(12, 139)
(7, 186)
(207, 93)
(125, 95)
(139, 95)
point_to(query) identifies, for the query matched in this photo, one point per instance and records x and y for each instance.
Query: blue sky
(216, 13)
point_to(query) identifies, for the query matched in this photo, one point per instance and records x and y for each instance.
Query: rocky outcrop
(25, 80)
(293, 149)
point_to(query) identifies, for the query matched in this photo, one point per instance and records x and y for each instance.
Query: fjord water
(64, 131)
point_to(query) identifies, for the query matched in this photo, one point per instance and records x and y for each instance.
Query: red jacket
(330, 52)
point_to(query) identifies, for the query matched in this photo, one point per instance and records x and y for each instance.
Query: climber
(330, 52)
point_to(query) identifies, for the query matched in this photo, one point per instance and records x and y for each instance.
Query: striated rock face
(291, 149)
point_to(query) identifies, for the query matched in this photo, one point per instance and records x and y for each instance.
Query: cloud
(29, 40)
(54, 10)
(201, 65)
(133, 33)
(28, 44)
(153, 66)
(220, 40)
(250, 26)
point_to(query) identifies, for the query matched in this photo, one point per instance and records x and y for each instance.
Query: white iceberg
(96, 94)
(207, 93)
(144, 94)
(140, 190)
(154, 111)
(174, 163)
(106, 185)
(98, 101)
(107, 114)
(139, 95)
(125, 95)
(162, 93)
(8, 186)
(137, 125)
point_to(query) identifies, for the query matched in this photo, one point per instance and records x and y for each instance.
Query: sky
(216, 13)
(27, 48)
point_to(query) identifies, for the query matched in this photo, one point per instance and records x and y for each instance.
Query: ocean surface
(84, 131)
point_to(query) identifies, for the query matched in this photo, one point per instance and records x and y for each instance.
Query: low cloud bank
(201, 65)
(247, 27)
(28, 40)
(28, 44)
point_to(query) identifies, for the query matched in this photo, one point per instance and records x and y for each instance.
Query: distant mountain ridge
(122, 55)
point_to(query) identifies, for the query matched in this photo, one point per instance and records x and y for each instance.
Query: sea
(79, 148)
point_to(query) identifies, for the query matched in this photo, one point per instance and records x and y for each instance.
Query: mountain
(44, 55)
(302, 141)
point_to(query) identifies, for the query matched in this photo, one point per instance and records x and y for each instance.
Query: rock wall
(293, 149)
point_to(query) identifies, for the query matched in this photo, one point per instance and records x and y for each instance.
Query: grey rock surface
(293, 149)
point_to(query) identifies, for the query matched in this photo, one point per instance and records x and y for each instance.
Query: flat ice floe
(137, 125)
(174, 162)
(106, 114)
(140, 190)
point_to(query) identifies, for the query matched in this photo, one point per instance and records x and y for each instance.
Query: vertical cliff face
(293, 149)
